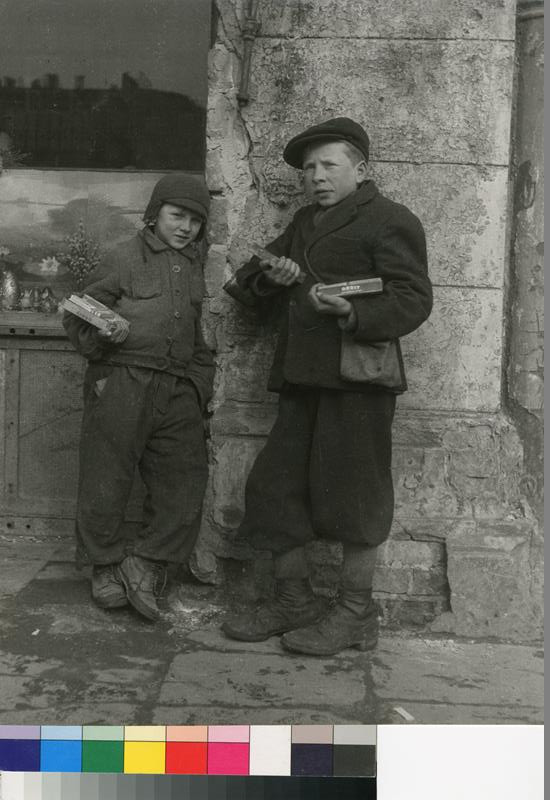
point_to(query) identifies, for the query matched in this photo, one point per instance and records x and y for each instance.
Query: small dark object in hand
(272, 260)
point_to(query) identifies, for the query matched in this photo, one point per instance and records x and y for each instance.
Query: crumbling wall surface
(433, 84)
(526, 322)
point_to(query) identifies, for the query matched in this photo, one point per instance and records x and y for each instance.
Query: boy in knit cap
(325, 470)
(145, 391)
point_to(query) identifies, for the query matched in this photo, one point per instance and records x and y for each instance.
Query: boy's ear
(361, 171)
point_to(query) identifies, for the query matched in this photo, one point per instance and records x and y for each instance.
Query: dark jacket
(365, 235)
(159, 291)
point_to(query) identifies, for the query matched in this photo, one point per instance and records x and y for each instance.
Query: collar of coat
(158, 246)
(342, 213)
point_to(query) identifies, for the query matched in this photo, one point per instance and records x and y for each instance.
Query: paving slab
(216, 715)
(251, 679)
(464, 714)
(113, 713)
(64, 661)
(450, 673)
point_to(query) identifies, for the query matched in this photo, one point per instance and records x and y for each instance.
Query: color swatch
(223, 750)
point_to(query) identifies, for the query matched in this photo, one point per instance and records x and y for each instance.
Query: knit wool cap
(339, 129)
(180, 189)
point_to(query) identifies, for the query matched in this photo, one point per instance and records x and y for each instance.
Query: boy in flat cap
(325, 470)
(144, 395)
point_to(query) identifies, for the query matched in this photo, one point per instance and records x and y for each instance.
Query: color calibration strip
(224, 750)
(93, 786)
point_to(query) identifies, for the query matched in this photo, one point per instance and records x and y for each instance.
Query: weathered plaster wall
(526, 324)
(433, 84)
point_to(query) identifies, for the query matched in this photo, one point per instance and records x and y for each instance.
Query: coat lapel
(343, 213)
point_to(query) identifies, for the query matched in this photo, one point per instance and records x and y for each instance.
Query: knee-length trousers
(325, 471)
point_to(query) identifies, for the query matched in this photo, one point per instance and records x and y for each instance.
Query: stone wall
(433, 84)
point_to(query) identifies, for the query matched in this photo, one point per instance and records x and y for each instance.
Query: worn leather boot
(352, 622)
(107, 589)
(140, 577)
(294, 605)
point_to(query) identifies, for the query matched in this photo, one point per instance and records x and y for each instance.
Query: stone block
(421, 488)
(244, 419)
(214, 170)
(391, 580)
(246, 370)
(429, 582)
(495, 575)
(402, 611)
(217, 230)
(215, 270)
(482, 468)
(222, 70)
(233, 461)
(443, 101)
(474, 469)
(453, 361)
(422, 529)
(463, 210)
(414, 19)
(411, 554)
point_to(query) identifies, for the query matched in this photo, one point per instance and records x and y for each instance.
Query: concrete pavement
(64, 661)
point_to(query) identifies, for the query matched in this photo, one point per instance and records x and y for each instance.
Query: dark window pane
(116, 84)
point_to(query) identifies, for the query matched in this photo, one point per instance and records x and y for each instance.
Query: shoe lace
(160, 579)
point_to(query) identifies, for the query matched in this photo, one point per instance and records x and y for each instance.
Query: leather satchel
(378, 363)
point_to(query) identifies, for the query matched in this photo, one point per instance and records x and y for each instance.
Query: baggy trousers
(325, 471)
(149, 420)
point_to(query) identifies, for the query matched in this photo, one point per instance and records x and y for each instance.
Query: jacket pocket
(377, 363)
(145, 284)
(95, 380)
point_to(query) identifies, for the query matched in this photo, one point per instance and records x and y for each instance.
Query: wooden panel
(3, 358)
(40, 417)
(31, 323)
(50, 411)
(11, 423)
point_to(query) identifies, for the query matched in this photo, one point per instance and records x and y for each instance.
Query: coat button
(177, 314)
(176, 268)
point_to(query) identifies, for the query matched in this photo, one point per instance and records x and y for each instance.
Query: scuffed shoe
(338, 630)
(294, 606)
(107, 588)
(140, 578)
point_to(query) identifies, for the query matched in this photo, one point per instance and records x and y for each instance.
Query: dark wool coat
(366, 235)
(159, 291)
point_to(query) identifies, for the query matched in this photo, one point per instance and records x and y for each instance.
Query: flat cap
(338, 129)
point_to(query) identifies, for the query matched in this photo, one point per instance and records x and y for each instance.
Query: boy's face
(177, 226)
(329, 173)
